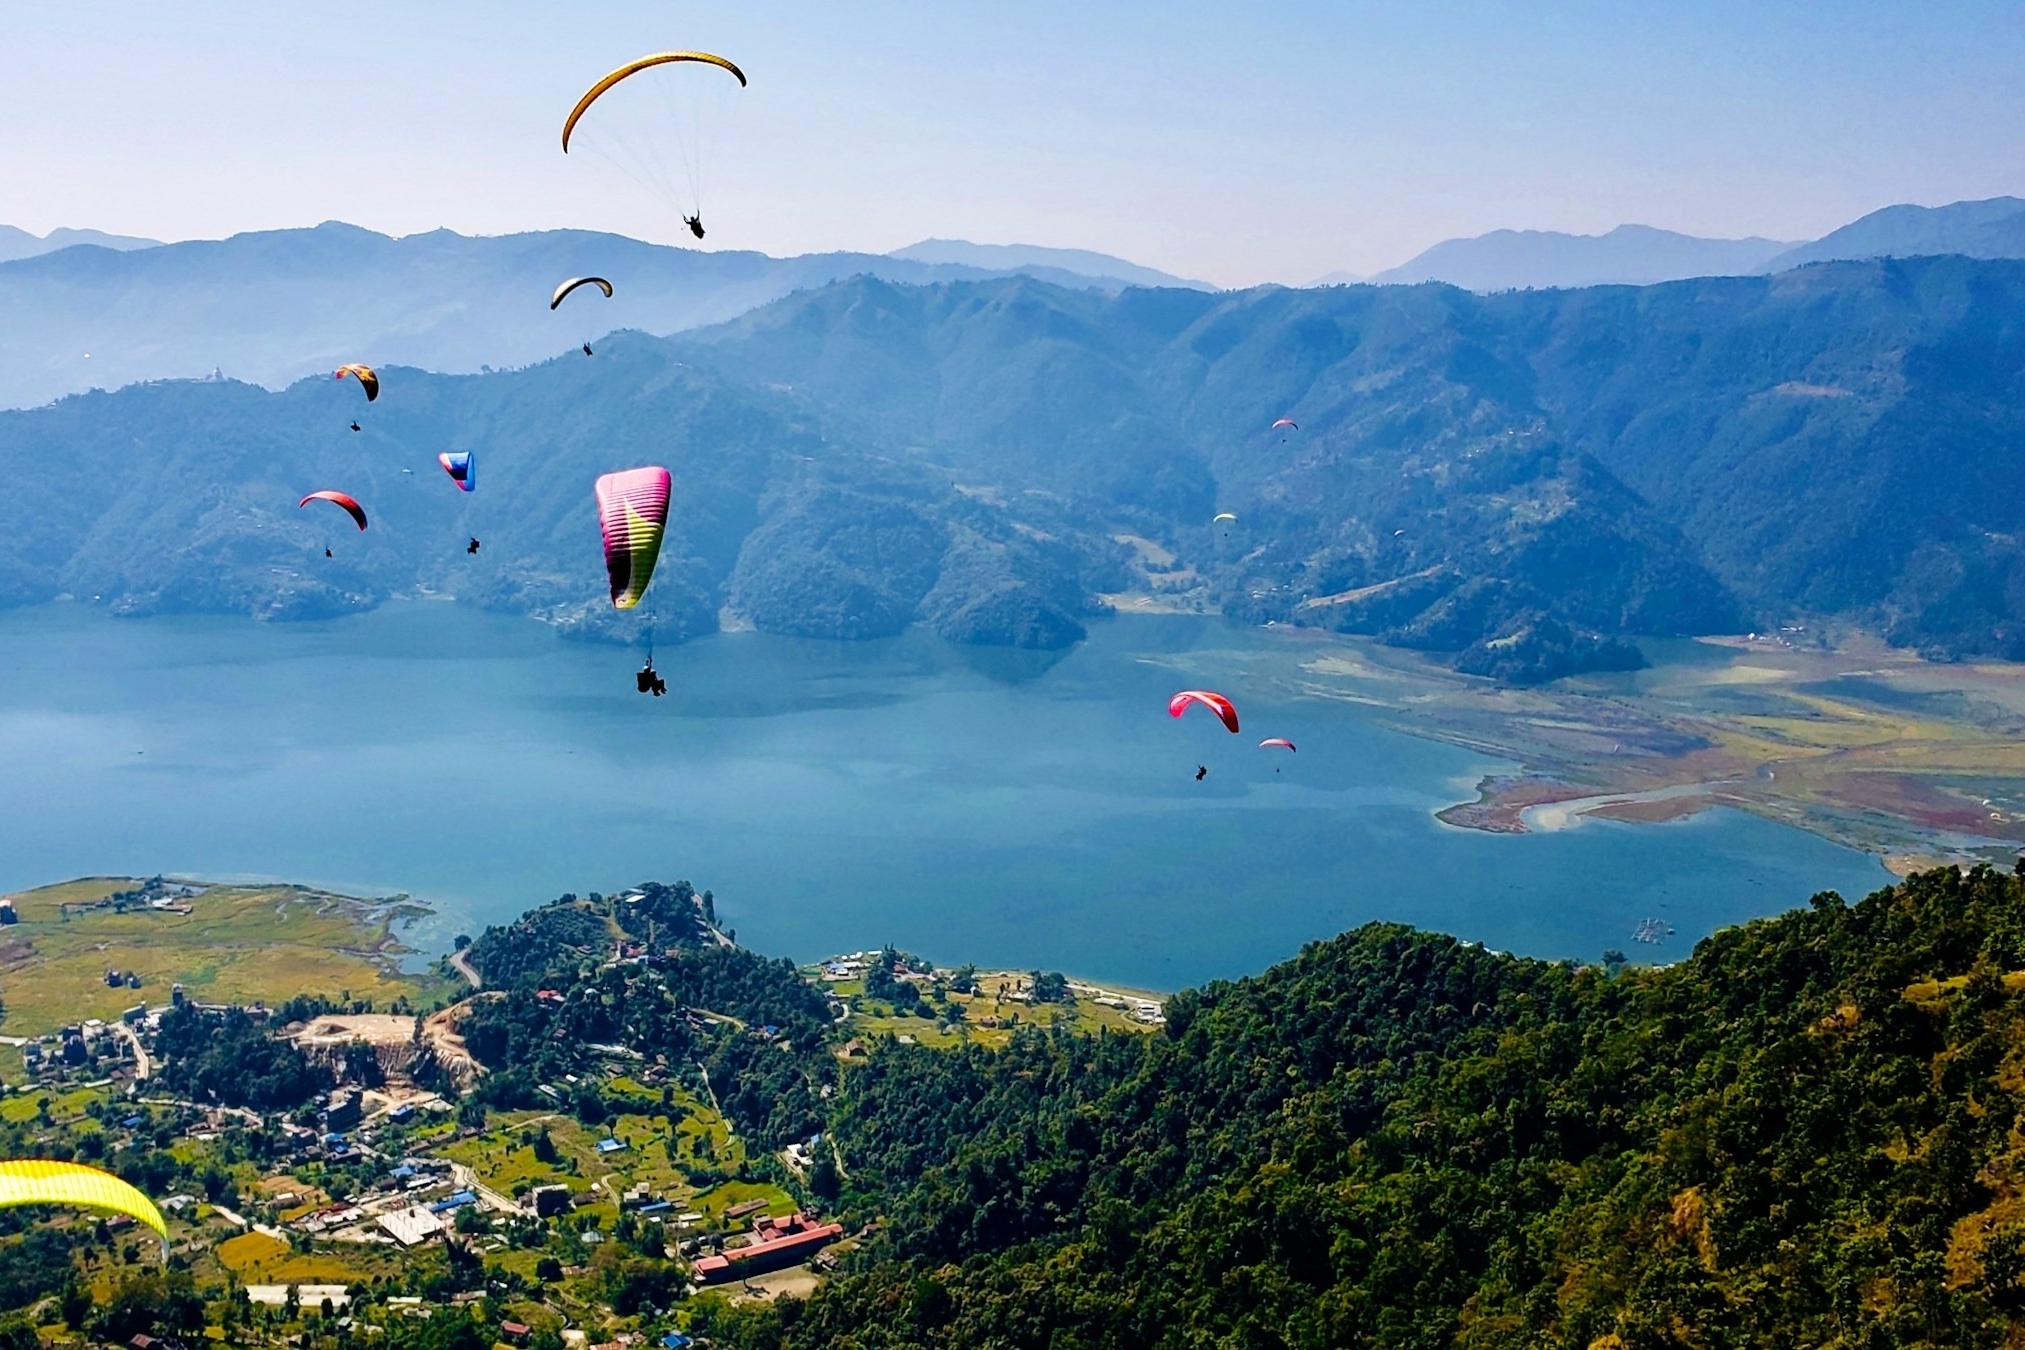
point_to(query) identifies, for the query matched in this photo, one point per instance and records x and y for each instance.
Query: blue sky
(1238, 143)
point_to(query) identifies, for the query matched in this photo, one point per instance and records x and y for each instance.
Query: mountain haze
(274, 306)
(1034, 260)
(19, 243)
(1635, 255)
(1986, 229)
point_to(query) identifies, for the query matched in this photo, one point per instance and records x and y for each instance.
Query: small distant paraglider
(574, 283)
(1286, 423)
(368, 378)
(1223, 516)
(1277, 742)
(1225, 710)
(349, 504)
(462, 466)
(562, 292)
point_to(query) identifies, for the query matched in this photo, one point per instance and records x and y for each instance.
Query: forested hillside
(1808, 1133)
(1519, 483)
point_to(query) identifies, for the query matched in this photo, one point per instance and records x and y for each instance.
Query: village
(596, 1210)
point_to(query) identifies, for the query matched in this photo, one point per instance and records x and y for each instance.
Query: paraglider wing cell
(368, 378)
(562, 291)
(36, 1182)
(633, 513)
(350, 504)
(1280, 742)
(1224, 709)
(462, 466)
(592, 94)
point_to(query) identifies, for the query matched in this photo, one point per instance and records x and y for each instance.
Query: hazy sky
(1234, 142)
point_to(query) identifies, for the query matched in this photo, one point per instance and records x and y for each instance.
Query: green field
(238, 944)
(992, 1003)
(503, 1157)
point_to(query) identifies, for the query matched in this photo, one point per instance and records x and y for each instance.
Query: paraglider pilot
(471, 547)
(587, 349)
(649, 681)
(695, 224)
(1201, 772)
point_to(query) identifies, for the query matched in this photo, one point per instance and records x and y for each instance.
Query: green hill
(1519, 482)
(1808, 1133)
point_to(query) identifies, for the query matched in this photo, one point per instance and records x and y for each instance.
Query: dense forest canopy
(1806, 1134)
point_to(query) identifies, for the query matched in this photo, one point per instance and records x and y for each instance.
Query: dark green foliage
(227, 1057)
(1050, 987)
(1796, 1137)
(162, 1303)
(33, 1266)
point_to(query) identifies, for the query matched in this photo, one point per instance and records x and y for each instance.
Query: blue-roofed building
(675, 1340)
(131, 1123)
(456, 1200)
(611, 1145)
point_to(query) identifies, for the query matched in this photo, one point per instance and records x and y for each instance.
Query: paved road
(142, 1065)
(466, 969)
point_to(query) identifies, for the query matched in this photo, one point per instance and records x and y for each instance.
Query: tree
(1052, 987)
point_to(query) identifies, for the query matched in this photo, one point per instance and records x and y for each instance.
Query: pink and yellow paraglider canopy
(633, 513)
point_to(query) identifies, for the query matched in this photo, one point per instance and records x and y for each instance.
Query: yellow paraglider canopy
(34, 1181)
(634, 68)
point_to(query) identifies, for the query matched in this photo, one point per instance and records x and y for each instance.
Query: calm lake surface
(988, 806)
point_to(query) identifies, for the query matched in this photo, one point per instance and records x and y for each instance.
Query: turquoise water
(996, 807)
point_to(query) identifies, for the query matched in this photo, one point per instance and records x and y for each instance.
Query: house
(611, 1145)
(516, 1332)
(549, 1201)
(341, 1112)
(412, 1225)
(775, 1243)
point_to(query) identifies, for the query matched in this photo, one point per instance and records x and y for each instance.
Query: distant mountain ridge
(1516, 483)
(18, 243)
(1636, 255)
(1986, 229)
(1639, 255)
(1033, 259)
(273, 306)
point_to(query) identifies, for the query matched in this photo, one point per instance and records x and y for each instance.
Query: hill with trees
(1806, 1134)
(1522, 484)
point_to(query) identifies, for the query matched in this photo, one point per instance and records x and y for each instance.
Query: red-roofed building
(786, 1241)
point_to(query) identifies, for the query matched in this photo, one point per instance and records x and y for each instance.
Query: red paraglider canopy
(1225, 710)
(1280, 741)
(350, 504)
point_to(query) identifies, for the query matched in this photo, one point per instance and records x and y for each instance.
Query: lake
(997, 807)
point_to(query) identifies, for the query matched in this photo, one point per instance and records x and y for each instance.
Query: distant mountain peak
(1038, 259)
(1635, 255)
(1991, 228)
(18, 243)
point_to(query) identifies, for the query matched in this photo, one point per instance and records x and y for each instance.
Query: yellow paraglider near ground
(35, 1181)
